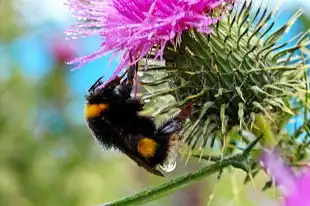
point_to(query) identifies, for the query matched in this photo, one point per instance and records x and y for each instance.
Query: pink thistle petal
(137, 25)
(296, 190)
(282, 174)
(300, 196)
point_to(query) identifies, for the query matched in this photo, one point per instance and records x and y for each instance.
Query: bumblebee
(114, 120)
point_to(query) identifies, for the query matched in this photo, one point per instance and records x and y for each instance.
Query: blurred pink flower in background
(63, 51)
(295, 189)
(135, 26)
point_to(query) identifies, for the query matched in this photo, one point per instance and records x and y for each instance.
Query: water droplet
(168, 166)
(147, 100)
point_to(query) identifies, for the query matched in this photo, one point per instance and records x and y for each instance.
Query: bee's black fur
(121, 126)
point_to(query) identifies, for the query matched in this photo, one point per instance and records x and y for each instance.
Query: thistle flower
(135, 27)
(295, 189)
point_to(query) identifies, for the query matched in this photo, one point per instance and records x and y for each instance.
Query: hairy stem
(151, 194)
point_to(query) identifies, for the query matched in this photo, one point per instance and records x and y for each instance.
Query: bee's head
(99, 97)
(99, 93)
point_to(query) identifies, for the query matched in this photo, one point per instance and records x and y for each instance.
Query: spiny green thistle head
(237, 76)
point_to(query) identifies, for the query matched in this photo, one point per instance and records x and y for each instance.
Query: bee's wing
(175, 124)
(144, 164)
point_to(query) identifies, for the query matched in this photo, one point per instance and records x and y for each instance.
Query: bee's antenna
(95, 85)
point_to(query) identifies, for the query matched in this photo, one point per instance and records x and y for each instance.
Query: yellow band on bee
(94, 110)
(147, 147)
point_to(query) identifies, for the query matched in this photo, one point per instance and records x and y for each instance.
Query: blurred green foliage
(9, 27)
(47, 159)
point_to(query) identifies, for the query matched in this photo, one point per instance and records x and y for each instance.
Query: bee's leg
(131, 73)
(127, 84)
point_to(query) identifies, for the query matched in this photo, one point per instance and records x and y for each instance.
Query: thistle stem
(154, 193)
